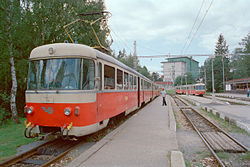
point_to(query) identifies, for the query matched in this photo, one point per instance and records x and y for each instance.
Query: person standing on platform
(163, 94)
(248, 92)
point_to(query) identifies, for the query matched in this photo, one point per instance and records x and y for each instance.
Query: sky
(162, 27)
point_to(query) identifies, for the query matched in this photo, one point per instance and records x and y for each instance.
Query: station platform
(144, 140)
(232, 95)
(238, 113)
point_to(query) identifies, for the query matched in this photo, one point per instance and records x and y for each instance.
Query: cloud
(164, 25)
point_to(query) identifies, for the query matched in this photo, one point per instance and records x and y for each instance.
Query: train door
(99, 88)
(142, 91)
(139, 88)
(152, 88)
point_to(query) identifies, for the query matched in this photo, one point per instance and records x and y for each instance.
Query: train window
(119, 79)
(135, 81)
(126, 85)
(55, 74)
(100, 75)
(109, 77)
(149, 85)
(145, 85)
(130, 81)
(88, 75)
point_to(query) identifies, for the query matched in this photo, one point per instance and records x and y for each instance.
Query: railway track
(216, 139)
(43, 155)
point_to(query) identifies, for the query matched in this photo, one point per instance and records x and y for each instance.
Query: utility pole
(213, 96)
(223, 73)
(205, 75)
(135, 57)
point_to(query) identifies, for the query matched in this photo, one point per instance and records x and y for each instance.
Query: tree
(221, 52)
(26, 24)
(10, 16)
(156, 76)
(144, 71)
(240, 64)
(181, 80)
(220, 64)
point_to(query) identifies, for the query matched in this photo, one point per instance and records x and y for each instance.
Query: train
(74, 90)
(193, 89)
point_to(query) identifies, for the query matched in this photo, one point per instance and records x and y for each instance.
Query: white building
(171, 70)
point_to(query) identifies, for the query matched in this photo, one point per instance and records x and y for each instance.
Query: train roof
(69, 49)
(191, 84)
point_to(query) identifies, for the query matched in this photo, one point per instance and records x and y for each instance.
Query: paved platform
(144, 140)
(235, 95)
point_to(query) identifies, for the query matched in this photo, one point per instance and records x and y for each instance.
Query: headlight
(67, 111)
(30, 110)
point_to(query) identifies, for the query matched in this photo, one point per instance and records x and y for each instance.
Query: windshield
(200, 87)
(55, 74)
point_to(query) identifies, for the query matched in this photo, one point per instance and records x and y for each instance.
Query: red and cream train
(75, 89)
(194, 89)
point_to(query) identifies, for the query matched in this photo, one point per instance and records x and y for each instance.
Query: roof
(164, 83)
(240, 80)
(183, 57)
(62, 49)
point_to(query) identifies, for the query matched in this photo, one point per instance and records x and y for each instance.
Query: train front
(61, 94)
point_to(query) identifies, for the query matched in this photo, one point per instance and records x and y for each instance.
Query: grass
(188, 164)
(198, 152)
(245, 156)
(177, 123)
(222, 155)
(12, 137)
(170, 91)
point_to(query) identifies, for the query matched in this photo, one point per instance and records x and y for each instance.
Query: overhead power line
(199, 26)
(123, 42)
(190, 55)
(192, 27)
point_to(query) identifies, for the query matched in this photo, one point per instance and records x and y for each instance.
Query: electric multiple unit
(194, 89)
(74, 89)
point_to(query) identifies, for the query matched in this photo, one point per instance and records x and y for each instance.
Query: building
(165, 85)
(238, 85)
(178, 66)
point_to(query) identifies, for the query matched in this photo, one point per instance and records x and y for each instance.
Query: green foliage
(156, 77)
(241, 64)
(15, 138)
(187, 78)
(37, 22)
(128, 60)
(4, 107)
(245, 156)
(223, 155)
(221, 50)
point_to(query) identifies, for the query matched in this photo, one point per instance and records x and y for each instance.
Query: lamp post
(223, 73)
(186, 83)
(213, 97)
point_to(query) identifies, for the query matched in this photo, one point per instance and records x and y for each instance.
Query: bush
(4, 107)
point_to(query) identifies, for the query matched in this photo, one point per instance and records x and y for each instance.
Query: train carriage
(74, 89)
(194, 89)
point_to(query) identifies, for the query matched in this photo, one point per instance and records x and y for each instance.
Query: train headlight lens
(30, 110)
(67, 111)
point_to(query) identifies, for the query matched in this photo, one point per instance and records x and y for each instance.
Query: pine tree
(221, 63)
(241, 63)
